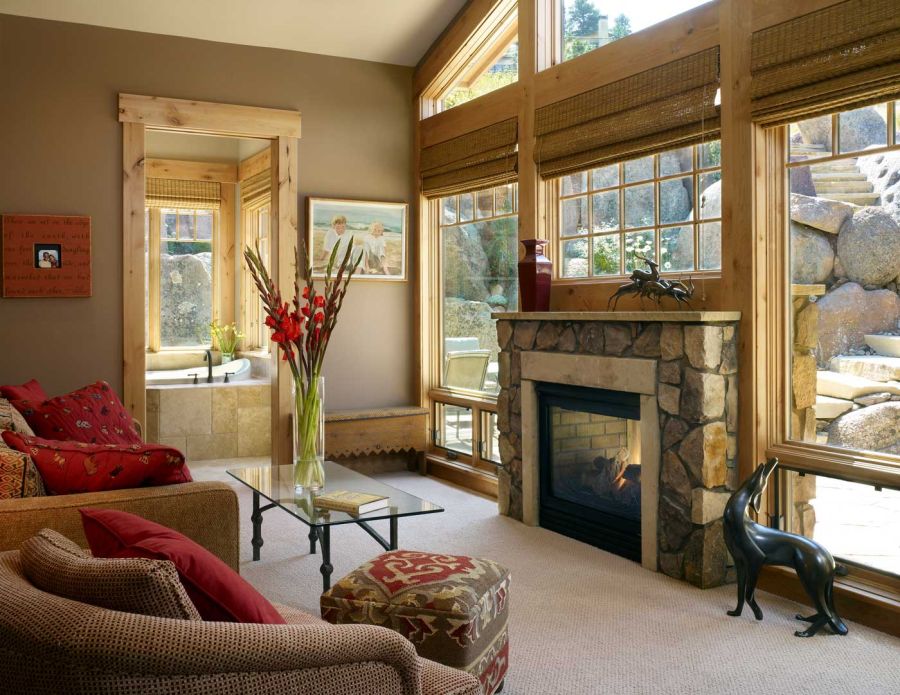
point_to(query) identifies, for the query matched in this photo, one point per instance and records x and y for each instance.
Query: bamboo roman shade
(480, 159)
(177, 193)
(256, 189)
(824, 61)
(669, 106)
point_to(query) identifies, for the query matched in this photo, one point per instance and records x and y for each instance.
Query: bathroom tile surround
(211, 421)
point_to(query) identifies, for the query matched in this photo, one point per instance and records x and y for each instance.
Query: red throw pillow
(93, 414)
(218, 592)
(70, 467)
(29, 391)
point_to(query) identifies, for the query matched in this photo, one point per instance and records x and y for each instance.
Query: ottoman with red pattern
(453, 608)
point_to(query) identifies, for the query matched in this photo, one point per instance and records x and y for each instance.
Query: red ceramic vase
(534, 276)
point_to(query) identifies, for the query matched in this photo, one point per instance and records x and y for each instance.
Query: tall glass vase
(309, 436)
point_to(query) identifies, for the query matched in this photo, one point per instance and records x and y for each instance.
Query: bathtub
(238, 370)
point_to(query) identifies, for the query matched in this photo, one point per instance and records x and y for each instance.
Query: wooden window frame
(864, 587)
(256, 336)
(155, 240)
(487, 42)
(556, 199)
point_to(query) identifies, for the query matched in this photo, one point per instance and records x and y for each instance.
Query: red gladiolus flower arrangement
(302, 328)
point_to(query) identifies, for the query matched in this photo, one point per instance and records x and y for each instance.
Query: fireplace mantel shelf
(640, 316)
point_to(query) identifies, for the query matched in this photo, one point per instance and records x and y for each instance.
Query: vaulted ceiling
(385, 31)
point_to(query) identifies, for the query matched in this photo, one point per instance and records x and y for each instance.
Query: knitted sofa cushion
(453, 608)
(58, 566)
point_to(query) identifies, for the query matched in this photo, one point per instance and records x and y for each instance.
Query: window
(479, 275)
(256, 231)
(584, 25)
(487, 61)
(665, 207)
(842, 240)
(501, 70)
(180, 285)
(476, 239)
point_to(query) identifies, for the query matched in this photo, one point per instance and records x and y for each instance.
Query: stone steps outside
(855, 198)
(840, 176)
(849, 386)
(828, 408)
(845, 186)
(842, 168)
(874, 367)
(887, 345)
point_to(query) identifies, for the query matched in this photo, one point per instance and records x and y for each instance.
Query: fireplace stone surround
(684, 367)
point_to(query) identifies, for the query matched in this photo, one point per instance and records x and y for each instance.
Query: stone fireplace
(671, 451)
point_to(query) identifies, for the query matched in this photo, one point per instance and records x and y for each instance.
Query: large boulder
(185, 298)
(876, 428)
(883, 172)
(812, 257)
(820, 213)
(859, 129)
(869, 247)
(848, 313)
(466, 267)
(711, 201)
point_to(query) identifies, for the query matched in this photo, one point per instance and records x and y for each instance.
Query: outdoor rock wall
(697, 400)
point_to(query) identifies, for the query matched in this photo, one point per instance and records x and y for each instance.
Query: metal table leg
(324, 534)
(312, 540)
(256, 518)
(393, 522)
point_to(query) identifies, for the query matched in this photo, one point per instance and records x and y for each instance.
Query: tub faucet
(208, 359)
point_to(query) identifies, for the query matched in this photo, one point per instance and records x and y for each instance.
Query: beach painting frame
(379, 231)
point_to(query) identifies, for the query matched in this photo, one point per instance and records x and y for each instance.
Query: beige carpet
(583, 620)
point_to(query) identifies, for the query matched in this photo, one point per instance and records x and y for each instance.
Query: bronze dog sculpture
(753, 545)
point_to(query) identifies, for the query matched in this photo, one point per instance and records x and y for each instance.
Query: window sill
(619, 279)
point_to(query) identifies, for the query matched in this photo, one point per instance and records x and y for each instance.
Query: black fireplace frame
(601, 529)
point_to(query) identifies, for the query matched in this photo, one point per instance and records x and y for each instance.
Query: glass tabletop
(276, 484)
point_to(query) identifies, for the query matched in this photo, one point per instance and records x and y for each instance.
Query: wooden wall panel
(133, 348)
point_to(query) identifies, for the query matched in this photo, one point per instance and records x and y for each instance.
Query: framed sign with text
(46, 256)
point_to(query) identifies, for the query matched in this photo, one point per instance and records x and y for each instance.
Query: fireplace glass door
(590, 466)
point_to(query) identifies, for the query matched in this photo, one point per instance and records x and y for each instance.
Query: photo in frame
(46, 255)
(378, 231)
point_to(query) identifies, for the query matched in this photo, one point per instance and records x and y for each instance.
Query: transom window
(585, 25)
(664, 207)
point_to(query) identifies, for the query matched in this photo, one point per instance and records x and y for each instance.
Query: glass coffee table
(276, 484)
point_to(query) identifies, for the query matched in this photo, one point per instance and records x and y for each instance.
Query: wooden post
(528, 177)
(134, 357)
(284, 240)
(225, 253)
(743, 246)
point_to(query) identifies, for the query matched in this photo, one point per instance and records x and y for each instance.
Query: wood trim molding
(767, 13)
(225, 254)
(255, 164)
(134, 357)
(487, 110)
(184, 115)
(284, 210)
(190, 171)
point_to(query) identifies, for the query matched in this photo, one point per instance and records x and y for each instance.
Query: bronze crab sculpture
(648, 283)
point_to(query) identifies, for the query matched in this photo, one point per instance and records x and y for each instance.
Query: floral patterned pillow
(93, 415)
(11, 419)
(71, 467)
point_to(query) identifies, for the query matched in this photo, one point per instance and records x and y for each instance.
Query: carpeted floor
(584, 621)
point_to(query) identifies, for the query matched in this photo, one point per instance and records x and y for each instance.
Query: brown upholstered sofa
(206, 512)
(49, 644)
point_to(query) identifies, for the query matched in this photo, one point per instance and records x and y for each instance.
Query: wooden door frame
(282, 128)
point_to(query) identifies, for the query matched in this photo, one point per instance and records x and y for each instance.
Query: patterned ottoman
(452, 607)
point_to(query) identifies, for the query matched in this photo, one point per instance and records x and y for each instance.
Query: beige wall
(61, 153)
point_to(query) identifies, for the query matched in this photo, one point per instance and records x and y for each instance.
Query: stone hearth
(684, 365)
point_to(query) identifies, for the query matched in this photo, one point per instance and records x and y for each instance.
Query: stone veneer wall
(697, 400)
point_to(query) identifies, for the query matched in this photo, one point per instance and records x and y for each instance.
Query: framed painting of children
(377, 231)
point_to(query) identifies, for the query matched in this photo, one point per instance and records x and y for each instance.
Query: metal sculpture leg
(326, 569)
(256, 518)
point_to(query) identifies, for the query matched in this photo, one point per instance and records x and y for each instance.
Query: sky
(643, 13)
